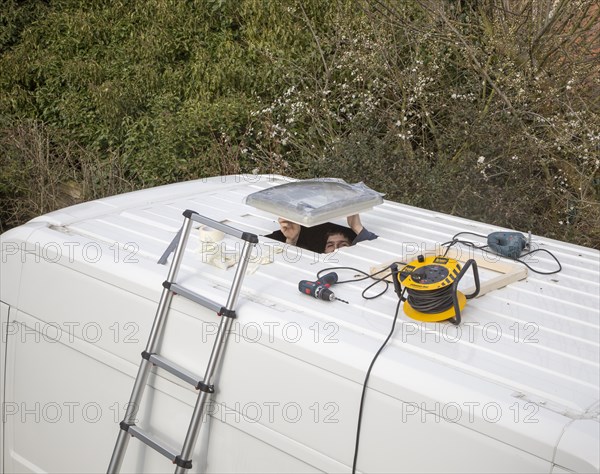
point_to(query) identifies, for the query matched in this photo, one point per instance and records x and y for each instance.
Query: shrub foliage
(486, 109)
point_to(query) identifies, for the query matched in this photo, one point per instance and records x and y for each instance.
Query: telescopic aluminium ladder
(151, 358)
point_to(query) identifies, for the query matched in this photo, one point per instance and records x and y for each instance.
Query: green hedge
(458, 106)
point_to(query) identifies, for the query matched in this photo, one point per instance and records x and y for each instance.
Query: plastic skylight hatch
(315, 201)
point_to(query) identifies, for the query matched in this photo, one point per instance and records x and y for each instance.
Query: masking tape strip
(207, 234)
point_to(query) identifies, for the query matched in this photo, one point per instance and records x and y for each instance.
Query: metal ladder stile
(150, 357)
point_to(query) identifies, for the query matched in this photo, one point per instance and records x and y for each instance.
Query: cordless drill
(320, 289)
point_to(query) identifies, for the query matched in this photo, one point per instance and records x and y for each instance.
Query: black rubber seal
(184, 463)
(248, 237)
(205, 388)
(228, 313)
(125, 426)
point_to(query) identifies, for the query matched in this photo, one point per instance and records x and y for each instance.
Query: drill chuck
(323, 293)
(319, 289)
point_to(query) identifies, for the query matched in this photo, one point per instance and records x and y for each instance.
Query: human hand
(355, 224)
(290, 230)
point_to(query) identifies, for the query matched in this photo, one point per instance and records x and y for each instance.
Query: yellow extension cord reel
(432, 287)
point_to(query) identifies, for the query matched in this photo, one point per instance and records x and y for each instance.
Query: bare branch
(317, 42)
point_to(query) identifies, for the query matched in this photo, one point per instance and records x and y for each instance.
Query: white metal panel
(530, 349)
(59, 411)
(578, 448)
(13, 252)
(4, 329)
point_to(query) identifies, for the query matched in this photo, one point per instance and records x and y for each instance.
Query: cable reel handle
(475, 277)
(457, 318)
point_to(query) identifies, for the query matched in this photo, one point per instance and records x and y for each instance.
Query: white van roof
(534, 342)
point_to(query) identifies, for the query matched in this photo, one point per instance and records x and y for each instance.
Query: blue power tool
(508, 244)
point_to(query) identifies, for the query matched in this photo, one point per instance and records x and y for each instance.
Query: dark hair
(315, 238)
(347, 233)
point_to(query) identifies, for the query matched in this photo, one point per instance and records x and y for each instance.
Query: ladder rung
(178, 245)
(190, 295)
(175, 369)
(153, 442)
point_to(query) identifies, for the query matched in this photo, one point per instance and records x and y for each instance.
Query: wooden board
(508, 272)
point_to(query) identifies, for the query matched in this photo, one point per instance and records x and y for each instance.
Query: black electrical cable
(538, 271)
(434, 301)
(366, 276)
(470, 233)
(364, 390)
(431, 301)
(363, 294)
(467, 243)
